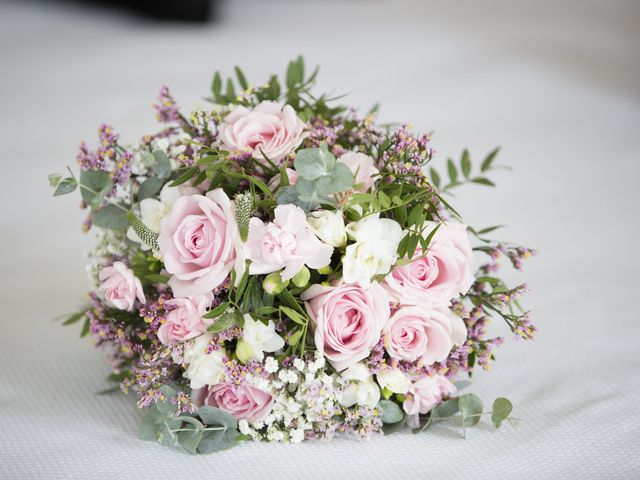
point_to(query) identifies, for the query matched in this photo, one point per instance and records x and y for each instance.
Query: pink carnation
(424, 394)
(440, 275)
(268, 128)
(287, 243)
(198, 241)
(347, 320)
(185, 321)
(120, 287)
(363, 168)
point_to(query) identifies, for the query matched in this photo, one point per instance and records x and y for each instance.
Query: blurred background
(555, 83)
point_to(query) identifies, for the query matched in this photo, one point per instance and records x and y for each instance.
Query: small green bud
(325, 270)
(386, 393)
(400, 397)
(244, 352)
(301, 279)
(273, 284)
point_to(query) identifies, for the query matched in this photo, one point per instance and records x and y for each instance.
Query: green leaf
(391, 412)
(293, 315)
(339, 180)
(483, 181)
(435, 178)
(226, 321)
(453, 171)
(92, 182)
(312, 163)
(65, 186)
(465, 164)
(218, 440)
(149, 188)
(242, 80)
(215, 416)
(502, 408)
(488, 160)
(189, 440)
(74, 318)
(162, 166)
(150, 425)
(85, 327)
(216, 85)
(489, 229)
(446, 409)
(390, 428)
(470, 406)
(217, 311)
(185, 176)
(294, 338)
(157, 278)
(111, 217)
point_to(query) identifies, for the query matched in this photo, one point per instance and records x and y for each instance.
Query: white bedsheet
(557, 84)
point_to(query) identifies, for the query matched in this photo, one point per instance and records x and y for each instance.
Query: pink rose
(268, 128)
(426, 393)
(185, 321)
(198, 241)
(241, 401)
(439, 276)
(287, 242)
(424, 333)
(363, 168)
(347, 320)
(120, 287)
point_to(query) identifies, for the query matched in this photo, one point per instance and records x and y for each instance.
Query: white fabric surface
(555, 83)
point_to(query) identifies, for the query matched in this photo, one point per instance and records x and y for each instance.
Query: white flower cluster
(305, 400)
(108, 243)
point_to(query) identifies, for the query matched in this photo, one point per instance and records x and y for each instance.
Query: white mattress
(555, 83)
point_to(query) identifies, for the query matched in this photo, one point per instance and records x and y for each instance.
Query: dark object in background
(185, 10)
(165, 10)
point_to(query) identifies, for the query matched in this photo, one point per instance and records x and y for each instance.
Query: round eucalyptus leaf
(391, 412)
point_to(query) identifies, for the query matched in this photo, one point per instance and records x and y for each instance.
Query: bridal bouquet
(279, 268)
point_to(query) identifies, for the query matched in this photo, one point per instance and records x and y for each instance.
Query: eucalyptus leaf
(471, 409)
(91, 182)
(218, 440)
(217, 417)
(312, 163)
(162, 166)
(391, 412)
(190, 439)
(111, 217)
(488, 160)
(65, 186)
(502, 408)
(150, 187)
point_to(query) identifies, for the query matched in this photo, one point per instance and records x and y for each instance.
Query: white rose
(203, 368)
(374, 251)
(329, 227)
(394, 380)
(260, 337)
(361, 389)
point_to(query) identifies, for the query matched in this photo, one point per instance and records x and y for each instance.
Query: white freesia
(203, 367)
(374, 251)
(393, 379)
(152, 211)
(360, 387)
(260, 337)
(329, 227)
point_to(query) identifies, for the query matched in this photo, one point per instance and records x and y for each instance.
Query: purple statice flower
(237, 373)
(86, 159)
(406, 154)
(123, 168)
(166, 107)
